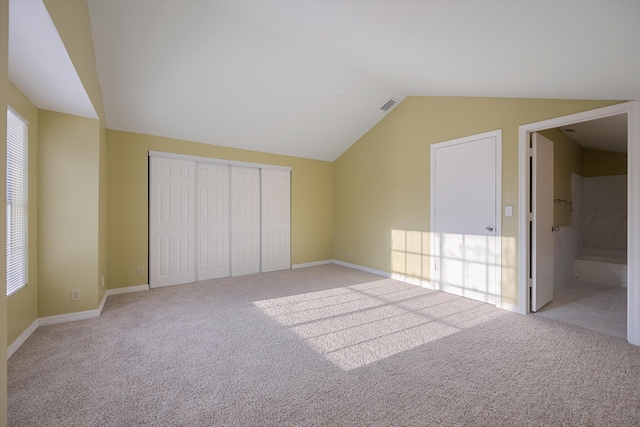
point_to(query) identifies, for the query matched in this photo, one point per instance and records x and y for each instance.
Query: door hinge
(530, 282)
(530, 151)
(530, 216)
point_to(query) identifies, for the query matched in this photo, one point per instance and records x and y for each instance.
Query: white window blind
(17, 202)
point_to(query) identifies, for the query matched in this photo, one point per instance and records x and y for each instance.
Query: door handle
(489, 228)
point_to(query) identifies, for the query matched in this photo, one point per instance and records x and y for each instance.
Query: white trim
(127, 290)
(68, 317)
(361, 268)
(258, 165)
(170, 284)
(187, 157)
(17, 343)
(311, 264)
(413, 281)
(104, 300)
(633, 218)
(497, 134)
(509, 307)
(633, 224)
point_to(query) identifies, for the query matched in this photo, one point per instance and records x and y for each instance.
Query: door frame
(633, 196)
(497, 286)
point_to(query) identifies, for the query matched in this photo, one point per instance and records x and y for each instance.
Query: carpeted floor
(318, 346)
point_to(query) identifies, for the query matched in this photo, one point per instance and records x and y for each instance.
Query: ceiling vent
(389, 104)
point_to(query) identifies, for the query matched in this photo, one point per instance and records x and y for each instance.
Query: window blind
(17, 202)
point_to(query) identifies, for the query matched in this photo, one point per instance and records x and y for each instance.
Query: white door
(245, 220)
(171, 222)
(465, 216)
(276, 219)
(212, 223)
(541, 231)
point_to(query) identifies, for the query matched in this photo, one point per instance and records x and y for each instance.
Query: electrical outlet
(348, 252)
(75, 295)
(103, 281)
(140, 270)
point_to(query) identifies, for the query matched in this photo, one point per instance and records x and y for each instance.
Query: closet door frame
(229, 164)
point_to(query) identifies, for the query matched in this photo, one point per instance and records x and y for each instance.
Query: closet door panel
(245, 220)
(276, 219)
(212, 247)
(171, 222)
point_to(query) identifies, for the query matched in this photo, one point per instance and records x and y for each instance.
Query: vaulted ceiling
(308, 78)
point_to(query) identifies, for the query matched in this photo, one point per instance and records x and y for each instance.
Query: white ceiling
(307, 78)
(606, 134)
(39, 64)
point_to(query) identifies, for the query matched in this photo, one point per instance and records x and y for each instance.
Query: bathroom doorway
(590, 225)
(628, 111)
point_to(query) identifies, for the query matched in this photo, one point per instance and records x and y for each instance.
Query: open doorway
(527, 247)
(589, 216)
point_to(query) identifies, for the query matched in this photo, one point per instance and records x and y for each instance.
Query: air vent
(389, 104)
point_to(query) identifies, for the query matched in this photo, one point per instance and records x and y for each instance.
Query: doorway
(527, 248)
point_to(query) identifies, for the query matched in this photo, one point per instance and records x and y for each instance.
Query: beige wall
(4, 99)
(22, 307)
(568, 158)
(604, 163)
(71, 18)
(381, 183)
(311, 200)
(68, 212)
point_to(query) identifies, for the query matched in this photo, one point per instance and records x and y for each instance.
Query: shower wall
(604, 212)
(599, 218)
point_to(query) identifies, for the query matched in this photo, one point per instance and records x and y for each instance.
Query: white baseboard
(70, 317)
(311, 264)
(129, 289)
(15, 345)
(509, 307)
(362, 268)
(413, 281)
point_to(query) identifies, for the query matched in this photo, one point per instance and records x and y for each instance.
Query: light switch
(508, 211)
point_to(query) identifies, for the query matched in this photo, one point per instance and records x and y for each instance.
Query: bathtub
(601, 269)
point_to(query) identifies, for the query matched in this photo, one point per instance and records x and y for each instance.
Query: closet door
(212, 223)
(171, 222)
(276, 219)
(245, 220)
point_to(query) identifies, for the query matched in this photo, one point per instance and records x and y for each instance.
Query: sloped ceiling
(39, 64)
(307, 78)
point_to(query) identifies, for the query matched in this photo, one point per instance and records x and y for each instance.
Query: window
(17, 203)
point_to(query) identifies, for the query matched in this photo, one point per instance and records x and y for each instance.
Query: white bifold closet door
(171, 222)
(209, 219)
(245, 220)
(212, 221)
(276, 219)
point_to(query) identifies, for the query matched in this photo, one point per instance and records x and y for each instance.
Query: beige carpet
(318, 346)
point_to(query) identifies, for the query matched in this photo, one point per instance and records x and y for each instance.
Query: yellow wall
(568, 158)
(311, 200)
(381, 183)
(71, 18)
(68, 210)
(22, 306)
(604, 163)
(4, 99)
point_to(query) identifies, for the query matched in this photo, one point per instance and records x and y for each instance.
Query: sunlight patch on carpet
(355, 326)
